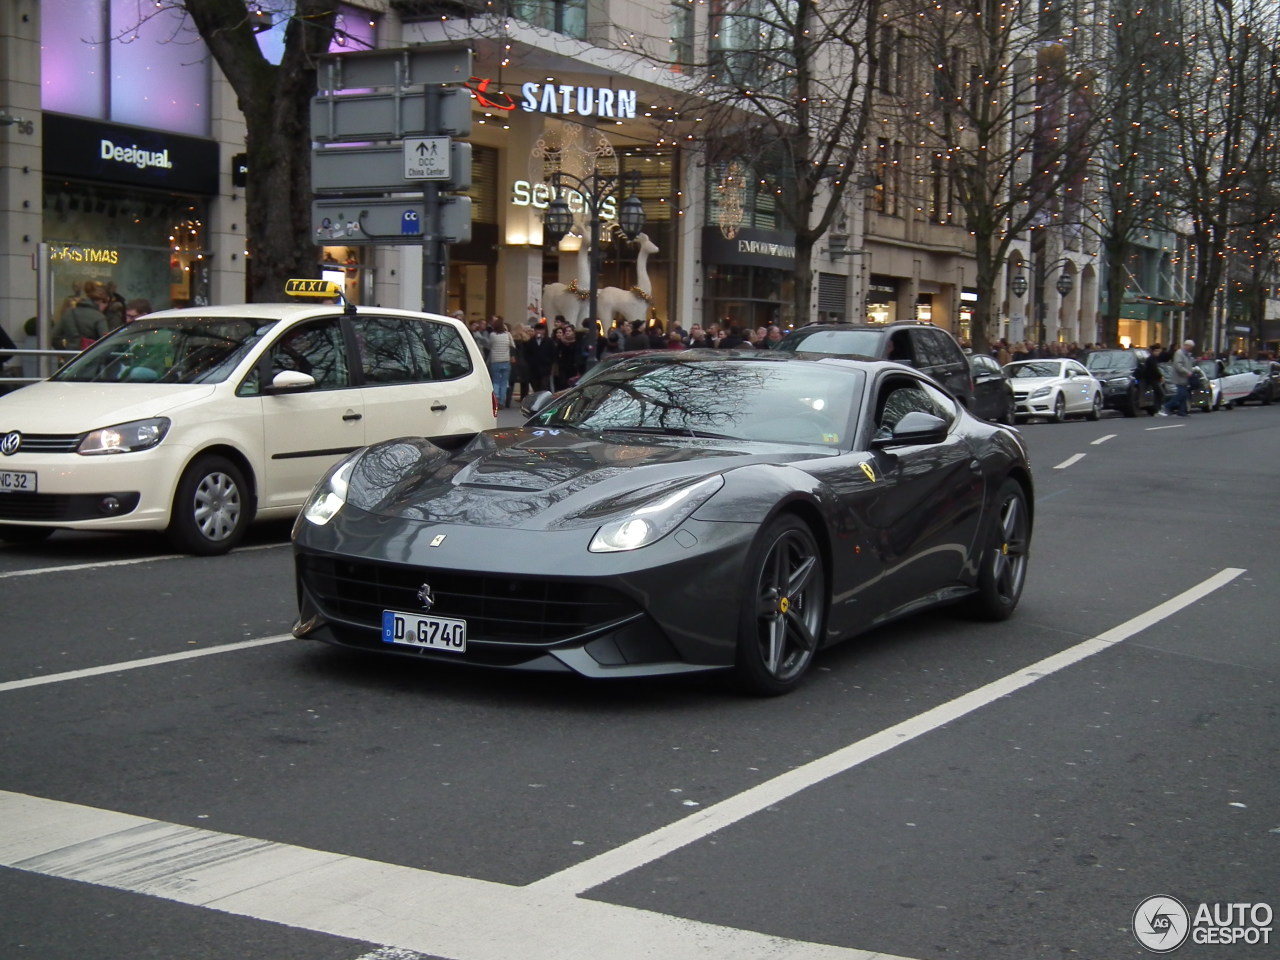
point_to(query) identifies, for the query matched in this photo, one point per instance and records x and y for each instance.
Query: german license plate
(421, 630)
(17, 481)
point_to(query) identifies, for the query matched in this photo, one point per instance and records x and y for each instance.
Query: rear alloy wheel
(211, 509)
(1059, 409)
(1003, 564)
(785, 609)
(1096, 410)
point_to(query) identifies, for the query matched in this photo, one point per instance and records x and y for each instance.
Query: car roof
(752, 355)
(288, 311)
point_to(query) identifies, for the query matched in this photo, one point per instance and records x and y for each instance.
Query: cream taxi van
(196, 421)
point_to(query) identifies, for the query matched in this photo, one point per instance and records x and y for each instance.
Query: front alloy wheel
(1003, 564)
(1059, 409)
(785, 609)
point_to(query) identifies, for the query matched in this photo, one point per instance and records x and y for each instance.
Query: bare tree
(780, 89)
(1223, 120)
(274, 99)
(1002, 113)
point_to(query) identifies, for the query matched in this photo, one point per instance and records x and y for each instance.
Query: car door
(1079, 386)
(305, 431)
(925, 503)
(421, 378)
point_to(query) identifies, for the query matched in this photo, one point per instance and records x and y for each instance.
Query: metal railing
(46, 362)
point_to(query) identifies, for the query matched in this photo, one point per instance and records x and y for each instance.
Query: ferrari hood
(540, 478)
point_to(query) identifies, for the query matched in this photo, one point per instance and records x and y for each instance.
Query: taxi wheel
(211, 509)
(13, 533)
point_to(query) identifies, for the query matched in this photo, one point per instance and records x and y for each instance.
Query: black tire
(1096, 410)
(1060, 409)
(1002, 566)
(1006, 417)
(784, 609)
(1131, 404)
(14, 533)
(211, 509)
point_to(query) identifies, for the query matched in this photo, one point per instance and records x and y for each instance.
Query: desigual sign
(135, 155)
(539, 195)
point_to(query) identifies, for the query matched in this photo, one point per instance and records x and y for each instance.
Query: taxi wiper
(671, 432)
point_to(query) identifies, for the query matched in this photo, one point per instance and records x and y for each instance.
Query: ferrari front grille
(498, 609)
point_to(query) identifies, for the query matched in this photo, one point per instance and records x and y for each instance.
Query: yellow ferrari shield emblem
(871, 474)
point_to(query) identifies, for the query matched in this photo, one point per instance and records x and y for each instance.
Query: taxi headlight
(330, 494)
(125, 437)
(643, 525)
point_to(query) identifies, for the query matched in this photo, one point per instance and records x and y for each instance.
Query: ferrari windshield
(179, 349)
(741, 399)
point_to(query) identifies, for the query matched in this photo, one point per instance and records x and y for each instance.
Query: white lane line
(144, 662)
(636, 853)
(1168, 426)
(76, 567)
(366, 900)
(1074, 458)
(1102, 440)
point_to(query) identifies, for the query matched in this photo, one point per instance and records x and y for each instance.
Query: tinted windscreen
(859, 343)
(1033, 369)
(168, 350)
(745, 399)
(1110, 360)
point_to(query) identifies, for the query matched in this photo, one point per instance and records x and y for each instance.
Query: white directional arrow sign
(427, 158)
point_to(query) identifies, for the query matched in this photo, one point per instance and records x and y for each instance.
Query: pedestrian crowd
(94, 309)
(524, 358)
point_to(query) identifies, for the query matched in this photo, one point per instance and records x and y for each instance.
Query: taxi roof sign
(313, 288)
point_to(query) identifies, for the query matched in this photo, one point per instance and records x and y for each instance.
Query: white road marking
(144, 662)
(344, 896)
(636, 853)
(1168, 426)
(77, 567)
(1074, 458)
(457, 916)
(1101, 440)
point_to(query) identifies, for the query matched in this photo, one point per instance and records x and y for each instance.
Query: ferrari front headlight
(330, 494)
(642, 525)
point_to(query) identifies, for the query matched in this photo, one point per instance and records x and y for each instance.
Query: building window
(682, 27)
(568, 17)
(750, 46)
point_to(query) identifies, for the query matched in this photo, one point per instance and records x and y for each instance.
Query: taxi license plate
(17, 481)
(420, 630)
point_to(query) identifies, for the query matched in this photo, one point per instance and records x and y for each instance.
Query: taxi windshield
(186, 349)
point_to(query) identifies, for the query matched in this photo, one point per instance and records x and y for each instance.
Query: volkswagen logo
(11, 442)
(425, 597)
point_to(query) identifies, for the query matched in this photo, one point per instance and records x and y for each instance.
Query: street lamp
(594, 190)
(1018, 285)
(1065, 283)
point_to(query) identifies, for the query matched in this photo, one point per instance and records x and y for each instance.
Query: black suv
(1120, 373)
(928, 348)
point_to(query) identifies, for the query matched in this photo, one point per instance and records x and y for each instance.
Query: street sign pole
(435, 256)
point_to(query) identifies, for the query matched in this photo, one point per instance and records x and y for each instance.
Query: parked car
(1267, 389)
(992, 391)
(1054, 389)
(684, 511)
(928, 348)
(1119, 372)
(195, 421)
(1226, 387)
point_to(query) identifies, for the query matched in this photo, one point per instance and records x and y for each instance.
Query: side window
(899, 396)
(443, 347)
(315, 347)
(899, 348)
(386, 353)
(938, 349)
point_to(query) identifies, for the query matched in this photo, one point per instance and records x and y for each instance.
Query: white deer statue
(569, 300)
(632, 304)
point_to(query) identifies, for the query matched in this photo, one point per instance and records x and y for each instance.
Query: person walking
(1183, 365)
(501, 347)
(540, 357)
(1150, 374)
(85, 322)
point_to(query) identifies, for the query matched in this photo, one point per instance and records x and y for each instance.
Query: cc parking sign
(410, 223)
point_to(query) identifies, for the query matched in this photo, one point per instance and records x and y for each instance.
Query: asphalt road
(180, 781)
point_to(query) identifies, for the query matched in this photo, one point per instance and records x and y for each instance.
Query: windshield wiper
(671, 432)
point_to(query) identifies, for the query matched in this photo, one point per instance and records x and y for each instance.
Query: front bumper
(533, 599)
(107, 492)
